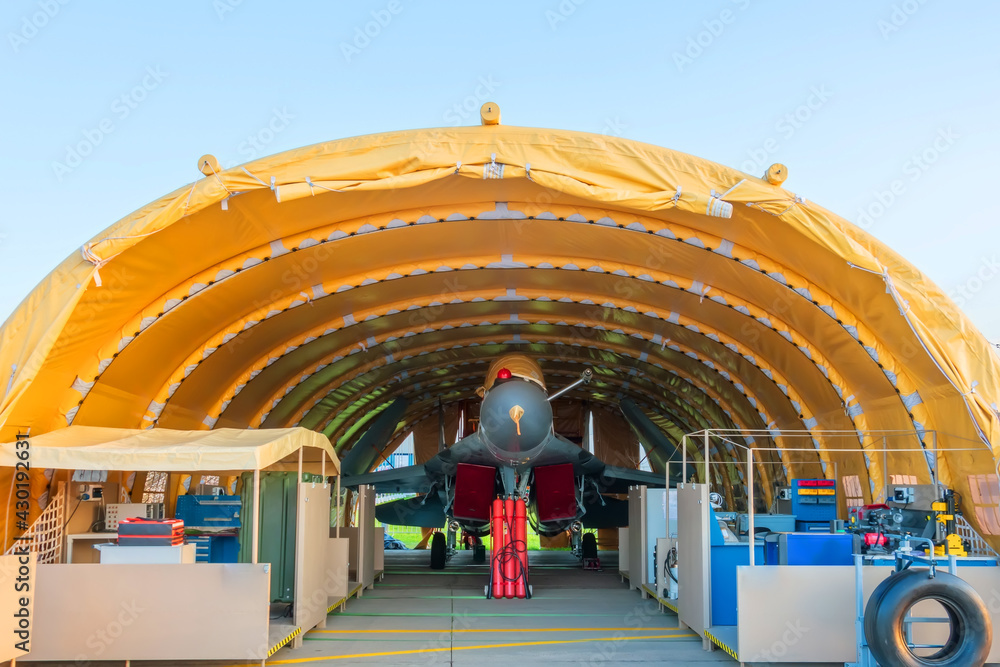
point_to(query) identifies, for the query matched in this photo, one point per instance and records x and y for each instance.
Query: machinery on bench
(914, 536)
(812, 534)
(883, 526)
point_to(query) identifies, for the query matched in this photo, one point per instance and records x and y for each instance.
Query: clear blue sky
(148, 87)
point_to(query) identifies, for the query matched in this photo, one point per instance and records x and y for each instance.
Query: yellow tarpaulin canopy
(167, 450)
(316, 286)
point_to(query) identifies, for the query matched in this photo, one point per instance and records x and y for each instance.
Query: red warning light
(503, 374)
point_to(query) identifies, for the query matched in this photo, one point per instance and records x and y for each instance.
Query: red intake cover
(555, 492)
(474, 492)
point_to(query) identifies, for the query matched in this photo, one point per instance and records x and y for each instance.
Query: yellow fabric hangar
(312, 287)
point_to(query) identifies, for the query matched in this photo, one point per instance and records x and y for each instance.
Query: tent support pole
(255, 543)
(707, 479)
(684, 458)
(885, 469)
(750, 517)
(338, 506)
(668, 499)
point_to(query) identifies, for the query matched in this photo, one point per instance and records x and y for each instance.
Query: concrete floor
(417, 616)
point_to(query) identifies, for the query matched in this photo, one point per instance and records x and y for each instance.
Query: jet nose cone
(516, 418)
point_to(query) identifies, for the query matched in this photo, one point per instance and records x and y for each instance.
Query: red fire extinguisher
(496, 559)
(521, 547)
(509, 556)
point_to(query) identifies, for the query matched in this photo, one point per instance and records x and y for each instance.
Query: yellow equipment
(945, 516)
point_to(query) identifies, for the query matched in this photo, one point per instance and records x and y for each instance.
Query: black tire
(439, 551)
(588, 546)
(971, 630)
(872, 607)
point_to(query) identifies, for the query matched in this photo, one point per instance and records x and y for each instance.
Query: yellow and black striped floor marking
(666, 603)
(718, 642)
(329, 610)
(274, 649)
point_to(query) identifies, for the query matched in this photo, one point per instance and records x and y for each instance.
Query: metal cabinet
(278, 496)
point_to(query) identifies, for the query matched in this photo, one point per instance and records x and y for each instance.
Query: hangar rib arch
(281, 292)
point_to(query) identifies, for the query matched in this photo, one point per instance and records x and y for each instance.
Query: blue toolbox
(209, 513)
(212, 524)
(814, 504)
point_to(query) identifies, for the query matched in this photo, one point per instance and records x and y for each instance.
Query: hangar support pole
(885, 469)
(708, 441)
(750, 508)
(300, 522)
(684, 457)
(255, 542)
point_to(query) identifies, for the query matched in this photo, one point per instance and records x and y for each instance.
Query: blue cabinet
(214, 513)
(215, 548)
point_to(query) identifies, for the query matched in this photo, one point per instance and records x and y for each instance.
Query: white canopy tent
(98, 448)
(243, 628)
(219, 450)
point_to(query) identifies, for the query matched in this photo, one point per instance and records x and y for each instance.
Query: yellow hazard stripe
(341, 601)
(329, 610)
(666, 603)
(274, 649)
(718, 642)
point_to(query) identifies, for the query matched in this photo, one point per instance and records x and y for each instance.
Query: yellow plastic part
(489, 114)
(955, 547)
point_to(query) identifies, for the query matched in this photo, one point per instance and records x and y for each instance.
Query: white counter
(112, 554)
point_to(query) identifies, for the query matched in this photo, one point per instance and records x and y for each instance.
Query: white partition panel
(337, 568)
(17, 585)
(655, 510)
(693, 557)
(312, 538)
(351, 534)
(623, 550)
(802, 614)
(205, 611)
(636, 536)
(378, 544)
(796, 613)
(366, 536)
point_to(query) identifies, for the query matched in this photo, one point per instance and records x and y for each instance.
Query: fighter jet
(515, 453)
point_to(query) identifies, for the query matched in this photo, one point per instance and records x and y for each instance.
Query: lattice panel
(979, 546)
(45, 536)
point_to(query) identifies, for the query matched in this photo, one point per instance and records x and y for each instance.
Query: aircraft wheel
(439, 551)
(971, 631)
